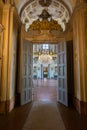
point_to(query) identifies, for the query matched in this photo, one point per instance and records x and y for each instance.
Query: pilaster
(10, 37)
(1, 44)
(5, 22)
(79, 42)
(14, 28)
(9, 16)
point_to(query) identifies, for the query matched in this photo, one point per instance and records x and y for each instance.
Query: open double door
(27, 66)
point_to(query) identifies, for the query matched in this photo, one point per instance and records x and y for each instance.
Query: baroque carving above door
(38, 9)
(46, 23)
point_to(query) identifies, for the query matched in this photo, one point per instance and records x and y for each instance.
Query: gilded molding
(45, 25)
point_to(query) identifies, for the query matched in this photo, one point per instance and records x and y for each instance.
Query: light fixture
(45, 57)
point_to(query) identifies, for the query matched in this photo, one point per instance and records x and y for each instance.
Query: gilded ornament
(45, 25)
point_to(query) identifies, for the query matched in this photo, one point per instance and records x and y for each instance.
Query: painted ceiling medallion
(45, 3)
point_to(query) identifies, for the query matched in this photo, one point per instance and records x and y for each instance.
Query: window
(45, 46)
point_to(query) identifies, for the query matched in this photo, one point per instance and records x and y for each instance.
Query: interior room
(43, 64)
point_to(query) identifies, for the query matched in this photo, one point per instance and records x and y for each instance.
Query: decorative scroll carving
(45, 25)
(1, 28)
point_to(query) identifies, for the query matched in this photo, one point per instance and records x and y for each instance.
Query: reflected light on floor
(45, 90)
(45, 99)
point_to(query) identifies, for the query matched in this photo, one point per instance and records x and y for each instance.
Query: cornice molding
(39, 36)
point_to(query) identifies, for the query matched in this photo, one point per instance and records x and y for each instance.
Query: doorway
(48, 74)
(45, 72)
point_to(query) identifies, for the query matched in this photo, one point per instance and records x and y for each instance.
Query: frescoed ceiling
(69, 3)
(58, 10)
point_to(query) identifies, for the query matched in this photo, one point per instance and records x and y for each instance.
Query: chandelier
(45, 57)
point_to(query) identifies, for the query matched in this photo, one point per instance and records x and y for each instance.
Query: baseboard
(80, 106)
(7, 106)
(10, 104)
(2, 107)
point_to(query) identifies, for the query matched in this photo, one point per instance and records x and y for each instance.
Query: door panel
(1, 42)
(30, 64)
(62, 74)
(26, 94)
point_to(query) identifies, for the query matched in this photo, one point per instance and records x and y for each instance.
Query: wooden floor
(44, 91)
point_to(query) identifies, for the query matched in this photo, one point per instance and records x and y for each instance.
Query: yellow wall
(11, 23)
(80, 51)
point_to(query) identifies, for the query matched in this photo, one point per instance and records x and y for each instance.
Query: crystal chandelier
(45, 57)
